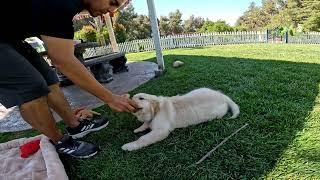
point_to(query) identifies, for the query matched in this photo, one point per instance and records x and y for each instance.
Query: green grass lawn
(276, 87)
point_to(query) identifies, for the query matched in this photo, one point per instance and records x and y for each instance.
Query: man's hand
(122, 104)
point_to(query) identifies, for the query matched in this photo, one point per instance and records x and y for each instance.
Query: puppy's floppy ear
(155, 106)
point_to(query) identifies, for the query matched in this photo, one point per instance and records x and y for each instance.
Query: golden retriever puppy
(164, 114)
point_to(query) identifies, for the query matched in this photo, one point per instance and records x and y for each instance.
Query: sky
(228, 10)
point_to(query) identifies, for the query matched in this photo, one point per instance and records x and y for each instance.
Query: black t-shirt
(38, 17)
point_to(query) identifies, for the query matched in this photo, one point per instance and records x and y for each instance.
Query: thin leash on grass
(222, 142)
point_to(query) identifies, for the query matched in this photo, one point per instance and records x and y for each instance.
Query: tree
(295, 12)
(141, 27)
(281, 4)
(120, 33)
(164, 26)
(313, 23)
(207, 27)
(280, 20)
(124, 21)
(78, 24)
(268, 10)
(87, 34)
(175, 22)
(193, 24)
(286, 14)
(219, 26)
(312, 8)
(172, 24)
(300, 12)
(239, 28)
(105, 33)
(251, 19)
(130, 26)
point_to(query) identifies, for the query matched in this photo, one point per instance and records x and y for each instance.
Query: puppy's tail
(234, 108)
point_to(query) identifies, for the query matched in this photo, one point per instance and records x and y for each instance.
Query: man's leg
(60, 105)
(21, 84)
(56, 99)
(38, 115)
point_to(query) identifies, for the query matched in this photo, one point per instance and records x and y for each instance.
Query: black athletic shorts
(24, 74)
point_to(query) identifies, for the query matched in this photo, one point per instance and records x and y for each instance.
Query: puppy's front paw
(130, 146)
(138, 130)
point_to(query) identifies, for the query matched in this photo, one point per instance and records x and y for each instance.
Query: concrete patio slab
(139, 73)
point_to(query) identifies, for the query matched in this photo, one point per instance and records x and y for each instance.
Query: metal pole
(155, 33)
(287, 37)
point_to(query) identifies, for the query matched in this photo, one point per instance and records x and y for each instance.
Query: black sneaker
(75, 148)
(87, 126)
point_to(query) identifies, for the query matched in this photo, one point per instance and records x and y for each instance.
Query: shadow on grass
(275, 98)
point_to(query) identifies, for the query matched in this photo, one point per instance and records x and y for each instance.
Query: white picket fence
(200, 39)
(305, 38)
(183, 41)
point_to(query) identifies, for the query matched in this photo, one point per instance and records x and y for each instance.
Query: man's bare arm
(61, 53)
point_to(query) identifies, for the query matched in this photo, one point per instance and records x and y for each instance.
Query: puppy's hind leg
(221, 111)
(143, 127)
(150, 138)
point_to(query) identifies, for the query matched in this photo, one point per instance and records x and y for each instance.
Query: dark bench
(102, 67)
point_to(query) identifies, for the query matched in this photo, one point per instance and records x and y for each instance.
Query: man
(27, 81)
